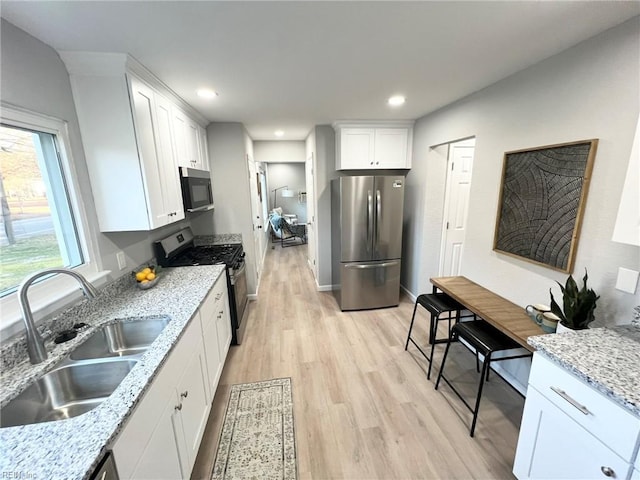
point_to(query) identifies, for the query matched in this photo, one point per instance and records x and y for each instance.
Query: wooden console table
(506, 316)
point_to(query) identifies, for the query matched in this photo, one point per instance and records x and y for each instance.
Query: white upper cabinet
(170, 180)
(126, 121)
(203, 145)
(190, 142)
(370, 146)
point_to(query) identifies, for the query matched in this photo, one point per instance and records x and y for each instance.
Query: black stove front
(179, 251)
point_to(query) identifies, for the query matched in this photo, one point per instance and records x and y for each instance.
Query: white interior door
(256, 215)
(309, 169)
(459, 168)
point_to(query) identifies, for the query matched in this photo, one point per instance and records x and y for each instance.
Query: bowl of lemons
(147, 277)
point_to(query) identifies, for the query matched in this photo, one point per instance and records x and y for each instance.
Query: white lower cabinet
(216, 331)
(191, 411)
(162, 436)
(150, 464)
(571, 431)
(555, 446)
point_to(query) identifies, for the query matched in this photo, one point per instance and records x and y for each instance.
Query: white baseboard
(408, 293)
(325, 288)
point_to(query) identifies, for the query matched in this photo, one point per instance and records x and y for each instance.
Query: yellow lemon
(146, 270)
(151, 276)
(140, 276)
(144, 281)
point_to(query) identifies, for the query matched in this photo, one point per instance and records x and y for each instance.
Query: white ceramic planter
(562, 329)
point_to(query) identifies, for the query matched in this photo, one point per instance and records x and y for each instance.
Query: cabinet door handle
(178, 407)
(184, 394)
(608, 472)
(574, 403)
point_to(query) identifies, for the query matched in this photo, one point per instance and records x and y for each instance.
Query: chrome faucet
(35, 344)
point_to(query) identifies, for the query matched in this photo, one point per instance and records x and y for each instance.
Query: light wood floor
(363, 407)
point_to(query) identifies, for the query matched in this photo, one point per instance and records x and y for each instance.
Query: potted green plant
(578, 305)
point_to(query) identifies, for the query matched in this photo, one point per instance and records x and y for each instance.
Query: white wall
(293, 176)
(278, 151)
(588, 91)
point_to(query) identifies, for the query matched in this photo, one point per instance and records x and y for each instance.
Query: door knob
(608, 471)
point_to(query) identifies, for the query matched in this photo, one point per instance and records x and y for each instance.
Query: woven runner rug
(257, 438)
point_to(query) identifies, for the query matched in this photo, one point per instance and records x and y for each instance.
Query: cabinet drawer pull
(178, 407)
(564, 395)
(184, 394)
(608, 472)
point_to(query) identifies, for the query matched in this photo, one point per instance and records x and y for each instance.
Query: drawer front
(209, 306)
(370, 285)
(602, 417)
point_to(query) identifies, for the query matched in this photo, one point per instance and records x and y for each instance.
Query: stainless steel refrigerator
(366, 246)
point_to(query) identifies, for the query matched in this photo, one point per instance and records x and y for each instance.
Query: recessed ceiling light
(207, 93)
(278, 133)
(396, 100)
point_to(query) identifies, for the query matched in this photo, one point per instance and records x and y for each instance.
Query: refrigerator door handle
(372, 265)
(369, 218)
(378, 215)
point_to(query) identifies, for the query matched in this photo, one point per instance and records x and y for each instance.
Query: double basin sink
(87, 375)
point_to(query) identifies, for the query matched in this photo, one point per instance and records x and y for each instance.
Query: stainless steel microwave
(196, 189)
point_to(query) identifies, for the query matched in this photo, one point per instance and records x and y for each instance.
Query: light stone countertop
(606, 358)
(218, 239)
(72, 448)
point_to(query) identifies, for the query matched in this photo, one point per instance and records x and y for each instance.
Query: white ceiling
(292, 65)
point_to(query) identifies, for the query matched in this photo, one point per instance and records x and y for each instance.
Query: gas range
(179, 250)
(230, 255)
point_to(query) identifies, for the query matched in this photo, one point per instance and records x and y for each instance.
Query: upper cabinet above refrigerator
(373, 145)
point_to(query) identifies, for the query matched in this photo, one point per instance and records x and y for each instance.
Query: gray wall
(279, 151)
(321, 143)
(34, 77)
(293, 175)
(228, 150)
(588, 91)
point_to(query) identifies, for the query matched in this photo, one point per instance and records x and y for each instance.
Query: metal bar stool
(486, 340)
(436, 304)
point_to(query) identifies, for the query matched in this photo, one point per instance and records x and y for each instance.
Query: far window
(37, 226)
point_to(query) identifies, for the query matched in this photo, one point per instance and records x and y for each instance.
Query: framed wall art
(542, 200)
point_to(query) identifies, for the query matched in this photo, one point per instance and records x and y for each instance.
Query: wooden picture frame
(542, 199)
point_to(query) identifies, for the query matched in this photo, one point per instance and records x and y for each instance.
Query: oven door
(196, 189)
(239, 289)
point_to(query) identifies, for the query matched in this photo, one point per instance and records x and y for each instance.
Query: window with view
(37, 227)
